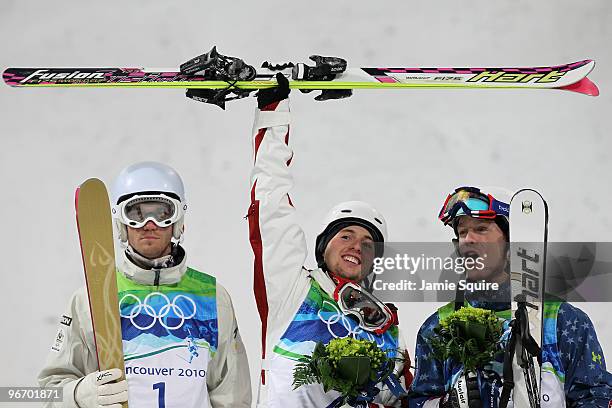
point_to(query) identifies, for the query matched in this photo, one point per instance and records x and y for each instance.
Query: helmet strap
(177, 230)
(122, 232)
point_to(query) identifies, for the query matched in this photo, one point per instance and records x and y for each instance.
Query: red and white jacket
(283, 287)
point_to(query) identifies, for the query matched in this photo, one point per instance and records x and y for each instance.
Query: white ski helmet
(150, 178)
(350, 213)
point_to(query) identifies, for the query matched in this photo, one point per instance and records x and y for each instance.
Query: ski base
(570, 77)
(97, 249)
(528, 236)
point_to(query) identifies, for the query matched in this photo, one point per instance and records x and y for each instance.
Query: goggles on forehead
(470, 201)
(373, 315)
(140, 209)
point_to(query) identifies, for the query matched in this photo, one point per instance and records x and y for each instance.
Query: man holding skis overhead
(180, 336)
(300, 307)
(577, 374)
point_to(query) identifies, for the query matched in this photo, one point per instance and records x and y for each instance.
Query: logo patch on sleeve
(66, 320)
(58, 343)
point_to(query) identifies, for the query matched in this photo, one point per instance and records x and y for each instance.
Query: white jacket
(289, 298)
(74, 356)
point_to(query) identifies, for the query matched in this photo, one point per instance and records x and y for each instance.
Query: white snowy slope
(402, 150)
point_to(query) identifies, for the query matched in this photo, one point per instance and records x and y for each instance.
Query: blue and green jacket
(572, 360)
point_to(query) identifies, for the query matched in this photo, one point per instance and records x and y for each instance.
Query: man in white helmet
(181, 342)
(300, 307)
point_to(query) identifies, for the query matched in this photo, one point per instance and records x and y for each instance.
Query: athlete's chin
(151, 252)
(354, 275)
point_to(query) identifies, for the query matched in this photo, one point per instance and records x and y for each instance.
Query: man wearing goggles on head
(570, 378)
(299, 307)
(471, 201)
(180, 338)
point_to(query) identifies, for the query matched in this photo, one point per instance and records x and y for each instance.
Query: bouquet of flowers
(350, 366)
(469, 336)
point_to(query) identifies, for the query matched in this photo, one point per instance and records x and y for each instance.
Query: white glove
(99, 389)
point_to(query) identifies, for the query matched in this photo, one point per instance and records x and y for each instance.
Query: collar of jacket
(325, 282)
(161, 276)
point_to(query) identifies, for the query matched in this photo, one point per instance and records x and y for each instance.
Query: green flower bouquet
(469, 336)
(347, 365)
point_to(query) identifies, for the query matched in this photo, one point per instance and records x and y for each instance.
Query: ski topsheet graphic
(215, 71)
(528, 239)
(97, 248)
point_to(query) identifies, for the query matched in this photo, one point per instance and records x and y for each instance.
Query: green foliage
(345, 365)
(469, 336)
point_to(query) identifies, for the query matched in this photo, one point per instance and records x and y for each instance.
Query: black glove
(276, 94)
(465, 393)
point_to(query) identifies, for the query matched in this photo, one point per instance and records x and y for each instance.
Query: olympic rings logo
(160, 315)
(353, 330)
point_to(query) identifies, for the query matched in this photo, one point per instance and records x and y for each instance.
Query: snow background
(402, 150)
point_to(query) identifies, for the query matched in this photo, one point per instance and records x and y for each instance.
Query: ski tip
(529, 192)
(91, 184)
(526, 191)
(584, 86)
(590, 64)
(7, 76)
(13, 76)
(76, 198)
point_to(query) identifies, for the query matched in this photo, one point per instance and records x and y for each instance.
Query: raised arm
(278, 241)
